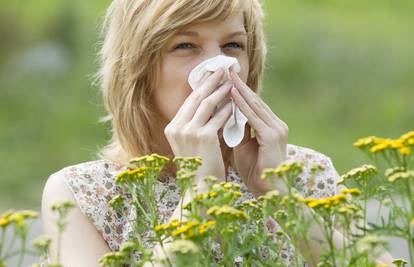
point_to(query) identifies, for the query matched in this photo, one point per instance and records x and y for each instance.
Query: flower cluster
(17, 217)
(330, 202)
(227, 212)
(21, 221)
(376, 144)
(284, 170)
(244, 229)
(361, 174)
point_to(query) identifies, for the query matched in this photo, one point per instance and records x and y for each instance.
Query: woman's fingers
(252, 117)
(218, 120)
(192, 102)
(256, 103)
(209, 104)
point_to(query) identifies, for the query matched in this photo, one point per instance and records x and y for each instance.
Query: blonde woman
(149, 49)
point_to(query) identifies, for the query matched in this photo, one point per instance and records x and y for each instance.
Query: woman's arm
(81, 243)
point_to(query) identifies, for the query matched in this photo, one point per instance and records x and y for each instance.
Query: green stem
(387, 160)
(3, 239)
(11, 244)
(181, 206)
(365, 206)
(330, 241)
(410, 246)
(410, 197)
(379, 211)
(345, 234)
(397, 157)
(22, 251)
(59, 242)
(165, 253)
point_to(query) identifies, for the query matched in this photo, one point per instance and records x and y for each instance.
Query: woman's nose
(212, 53)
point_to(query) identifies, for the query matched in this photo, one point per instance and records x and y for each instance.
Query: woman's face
(185, 51)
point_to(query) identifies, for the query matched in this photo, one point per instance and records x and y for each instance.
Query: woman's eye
(184, 45)
(180, 46)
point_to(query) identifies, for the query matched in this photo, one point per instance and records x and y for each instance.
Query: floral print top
(93, 185)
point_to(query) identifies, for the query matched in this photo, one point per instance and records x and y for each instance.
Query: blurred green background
(336, 71)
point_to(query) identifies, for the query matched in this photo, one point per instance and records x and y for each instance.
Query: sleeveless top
(93, 185)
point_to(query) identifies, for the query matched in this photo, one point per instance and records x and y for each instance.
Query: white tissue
(233, 130)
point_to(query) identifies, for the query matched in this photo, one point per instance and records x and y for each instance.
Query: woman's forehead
(235, 22)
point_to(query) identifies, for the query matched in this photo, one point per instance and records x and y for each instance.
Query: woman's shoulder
(319, 176)
(92, 185)
(296, 152)
(90, 179)
(85, 171)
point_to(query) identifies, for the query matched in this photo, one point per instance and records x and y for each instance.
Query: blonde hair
(134, 33)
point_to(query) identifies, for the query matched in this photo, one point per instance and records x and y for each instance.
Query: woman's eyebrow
(190, 33)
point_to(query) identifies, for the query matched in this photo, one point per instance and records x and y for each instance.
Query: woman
(150, 47)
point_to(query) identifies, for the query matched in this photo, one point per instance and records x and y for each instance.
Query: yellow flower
(397, 143)
(206, 226)
(251, 203)
(161, 227)
(408, 135)
(184, 247)
(131, 175)
(298, 197)
(412, 222)
(175, 223)
(138, 172)
(186, 227)
(325, 202)
(4, 222)
(237, 194)
(188, 163)
(282, 170)
(273, 194)
(349, 209)
(340, 181)
(201, 196)
(391, 171)
(5, 218)
(63, 206)
(314, 203)
(384, 144)
(42, 242)
(401, 175)
(227, 185)
(369, 140)
(227, 211)
(360, 173)
(352, 191)
(154, 157)
(17, 218)
(405, 151)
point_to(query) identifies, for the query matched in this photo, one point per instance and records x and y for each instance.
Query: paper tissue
(233, 130)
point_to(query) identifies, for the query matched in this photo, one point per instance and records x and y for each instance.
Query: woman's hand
(268, 148)
(193, 130)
